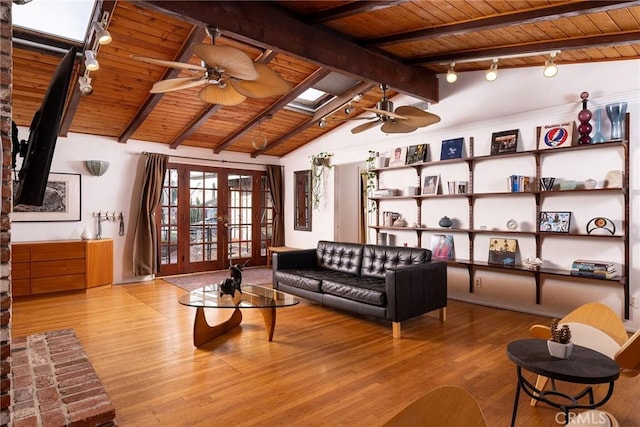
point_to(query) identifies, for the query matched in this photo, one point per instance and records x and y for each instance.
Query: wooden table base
(203, 332)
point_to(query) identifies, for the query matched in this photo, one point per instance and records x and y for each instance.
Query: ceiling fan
(403, 119)
(230, 76)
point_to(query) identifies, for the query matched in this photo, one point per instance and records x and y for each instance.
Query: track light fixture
(102, 35)
(348, 109)
(85, 84)
(357, 97)
(550, 68)
(492, 72)
(90, 61)
(451, 74)
(322, 123)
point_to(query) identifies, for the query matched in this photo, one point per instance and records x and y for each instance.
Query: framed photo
(417, 153)
(398, 156)
(452, 149)
(502, 251)
(504, 142)
(556, 136)
(431, 184)
(558, 222)
(442, 246)
(61, 201)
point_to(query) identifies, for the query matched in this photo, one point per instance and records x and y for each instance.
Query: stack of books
(518, 183)
(591, 268)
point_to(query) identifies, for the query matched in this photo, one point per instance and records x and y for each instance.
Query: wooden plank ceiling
(401, 43)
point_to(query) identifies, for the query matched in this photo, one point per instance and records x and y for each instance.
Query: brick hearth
(54, 383)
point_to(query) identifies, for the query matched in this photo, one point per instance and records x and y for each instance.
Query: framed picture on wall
(62, 200)
(431, 184)
(452, 149)
(504, 142)
(555, 222)
(398, 156)
(417, 153)
(502, 251)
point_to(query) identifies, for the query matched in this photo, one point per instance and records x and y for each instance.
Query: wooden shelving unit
(538, 273)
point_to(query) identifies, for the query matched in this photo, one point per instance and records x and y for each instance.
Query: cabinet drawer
(20, 270)
(45, 285)
(52, 251)
(57, 268)
(20, 253)
(20, 287)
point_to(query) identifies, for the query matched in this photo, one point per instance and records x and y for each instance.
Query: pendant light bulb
(550, 68)
(452, 76)
(492, 72)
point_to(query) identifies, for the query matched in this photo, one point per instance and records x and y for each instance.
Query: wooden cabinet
(534, 199)
(55, 266)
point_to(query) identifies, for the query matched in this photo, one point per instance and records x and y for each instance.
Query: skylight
(63, 18)
(311, 95)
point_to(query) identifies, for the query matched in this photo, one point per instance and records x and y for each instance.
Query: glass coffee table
(267, 300)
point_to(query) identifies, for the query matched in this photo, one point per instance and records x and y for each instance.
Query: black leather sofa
(386, 282)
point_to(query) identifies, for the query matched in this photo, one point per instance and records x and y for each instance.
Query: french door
(211, 217)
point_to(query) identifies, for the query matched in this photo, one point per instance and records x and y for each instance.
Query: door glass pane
(203, 218)
(239, 211)
(169, 219)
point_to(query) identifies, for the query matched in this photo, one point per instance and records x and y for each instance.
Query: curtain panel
(274, 174)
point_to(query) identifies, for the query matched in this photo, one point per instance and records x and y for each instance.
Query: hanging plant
(319, 163)
(371, 178)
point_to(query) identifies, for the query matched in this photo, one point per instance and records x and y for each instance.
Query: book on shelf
(417, 153)
(519, 183)
(452, 149)
(581, 273)
(587, 264)
(457, 187)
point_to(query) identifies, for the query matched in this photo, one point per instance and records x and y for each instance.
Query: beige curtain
(145, 244)
(274, 174)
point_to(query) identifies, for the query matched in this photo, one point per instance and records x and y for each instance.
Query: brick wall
(5, 205)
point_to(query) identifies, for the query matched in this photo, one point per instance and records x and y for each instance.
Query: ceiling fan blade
(214, 94)
(365, 126)
(172, 64)
(392, 126)
(269, 84)
(416, 117)
(178, 83)
(233, 61)
(385, 113)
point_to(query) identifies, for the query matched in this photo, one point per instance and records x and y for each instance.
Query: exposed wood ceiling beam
(293, 94)
(265, 57)
(501, 21)
(574, 43)
(266, 25)
(197, 35)
(337, 103)
(349, 9)
(100, 7)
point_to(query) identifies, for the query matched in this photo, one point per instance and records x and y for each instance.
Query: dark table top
(584, 366)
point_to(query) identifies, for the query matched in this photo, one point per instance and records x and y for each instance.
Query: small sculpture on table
(230, 285)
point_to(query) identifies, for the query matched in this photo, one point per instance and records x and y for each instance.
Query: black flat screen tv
(45, 125)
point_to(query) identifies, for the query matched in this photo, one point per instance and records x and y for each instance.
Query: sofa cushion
(309, 279)
(377, 259)
(369, 290)
(343, 257)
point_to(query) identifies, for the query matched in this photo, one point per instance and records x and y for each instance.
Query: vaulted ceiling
(347, 46)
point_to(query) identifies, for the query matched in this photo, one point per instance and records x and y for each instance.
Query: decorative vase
(598, 137)
(616, 113)
(445, 222)
(560, 350)
(86, 234)
(546, 183)
(584, 128)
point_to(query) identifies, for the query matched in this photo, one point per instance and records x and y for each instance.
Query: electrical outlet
(634, 301)
(478, 282)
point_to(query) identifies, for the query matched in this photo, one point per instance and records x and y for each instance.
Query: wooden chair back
(446, 406)
(628, 357)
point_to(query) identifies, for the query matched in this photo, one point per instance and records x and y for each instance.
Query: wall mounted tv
(45, 125)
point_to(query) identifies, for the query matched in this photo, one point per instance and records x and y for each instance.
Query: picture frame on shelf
(417, 153)
(442, 246)
(556, 136)
(62, 201)
(502, 251)
(555, 222)
(504, 142)
(398, 156)
(452, 149)
(431, 184)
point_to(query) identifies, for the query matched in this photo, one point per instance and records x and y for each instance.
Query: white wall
(518, 99)
(117, 190)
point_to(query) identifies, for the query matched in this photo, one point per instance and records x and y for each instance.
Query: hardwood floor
(324, 367)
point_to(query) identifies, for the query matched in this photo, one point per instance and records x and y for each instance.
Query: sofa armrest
(415, 289)
(298, 259)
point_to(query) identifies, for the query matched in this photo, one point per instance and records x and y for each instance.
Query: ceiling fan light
(102, 35)
(492, 72)
(550, 68)
(452, 76)
(90, 61)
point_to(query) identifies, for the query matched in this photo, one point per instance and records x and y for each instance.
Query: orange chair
(446, 406)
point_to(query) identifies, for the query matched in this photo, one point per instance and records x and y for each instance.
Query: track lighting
(357, 97)
(85, 84)
(451, 74)
(90, 61)
(348, 109)
(322, 123)
(550, 68)
(492, 72)
(102, 35)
